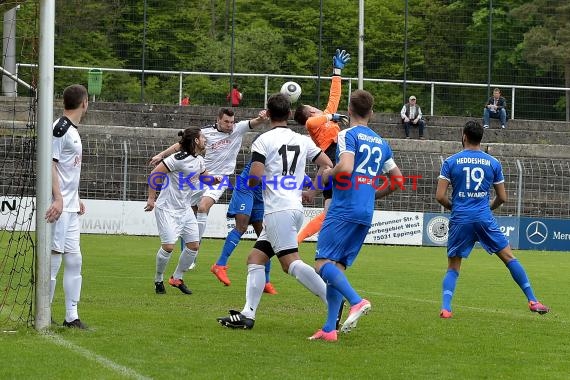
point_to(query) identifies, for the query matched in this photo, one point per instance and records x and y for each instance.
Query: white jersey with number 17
(284, 154)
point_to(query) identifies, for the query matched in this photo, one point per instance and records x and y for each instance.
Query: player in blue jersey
(246, 207)
(362, 157)
(471, 174)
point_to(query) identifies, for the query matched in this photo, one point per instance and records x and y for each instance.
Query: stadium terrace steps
(119, 136)
(443, 133)
(440, 128)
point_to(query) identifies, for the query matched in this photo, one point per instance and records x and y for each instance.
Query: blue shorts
(246, 202)
(462, 238)
(340, 241)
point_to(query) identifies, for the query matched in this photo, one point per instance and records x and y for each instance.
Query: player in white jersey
(278, 159)
(66, 206)
(223, 141)
(176, 176)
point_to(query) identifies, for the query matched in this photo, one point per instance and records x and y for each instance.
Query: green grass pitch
(135, 333)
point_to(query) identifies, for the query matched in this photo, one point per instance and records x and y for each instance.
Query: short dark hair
(187, 139)
(73, 96)
(473, 131)
(302, 114)
(361, 103)
(225, 111)
(279, 107)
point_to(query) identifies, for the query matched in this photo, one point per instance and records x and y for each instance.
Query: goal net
(17, 163)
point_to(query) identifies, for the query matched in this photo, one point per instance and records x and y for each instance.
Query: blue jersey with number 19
(353, 195)
(471, 174)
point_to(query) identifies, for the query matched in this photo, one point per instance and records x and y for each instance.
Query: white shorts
(65, 233)
(213, 193)
(280, 229)
(172, 225)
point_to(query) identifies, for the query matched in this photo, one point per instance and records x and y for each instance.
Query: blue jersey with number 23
(353, 195)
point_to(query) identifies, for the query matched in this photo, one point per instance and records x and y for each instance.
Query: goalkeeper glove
(340, 59)
(341, 119)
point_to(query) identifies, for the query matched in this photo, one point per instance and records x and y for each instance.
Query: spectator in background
(185, 100)
(496, 108)
(411, 114)
(234, 96)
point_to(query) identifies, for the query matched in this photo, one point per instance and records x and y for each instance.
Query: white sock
(72, 280)
(186, 259)
(307, 276)
(253, 289)
(55, 265)
(201, 218)
(162, 259)
(193, 265)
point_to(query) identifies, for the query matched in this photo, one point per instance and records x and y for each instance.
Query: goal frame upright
(42, 309)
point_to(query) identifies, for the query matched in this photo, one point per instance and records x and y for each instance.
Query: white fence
(352, 81)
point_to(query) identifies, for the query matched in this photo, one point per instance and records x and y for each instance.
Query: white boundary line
(478, 309)
(89, 355)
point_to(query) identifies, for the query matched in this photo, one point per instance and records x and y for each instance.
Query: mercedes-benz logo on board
(536, 232)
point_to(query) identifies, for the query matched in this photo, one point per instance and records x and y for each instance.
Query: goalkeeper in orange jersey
(323, 127)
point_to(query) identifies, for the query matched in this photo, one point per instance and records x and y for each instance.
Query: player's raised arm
(340, 59)
(165, 153)
(261, 119)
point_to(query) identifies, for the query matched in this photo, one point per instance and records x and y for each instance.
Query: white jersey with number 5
(284, 154)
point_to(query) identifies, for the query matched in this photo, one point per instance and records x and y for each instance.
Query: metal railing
(350, 80)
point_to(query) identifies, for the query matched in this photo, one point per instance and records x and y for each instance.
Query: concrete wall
(117, 134)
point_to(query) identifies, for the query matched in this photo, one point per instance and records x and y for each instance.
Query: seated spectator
(496, 108)
(412, 116)
(185, 100)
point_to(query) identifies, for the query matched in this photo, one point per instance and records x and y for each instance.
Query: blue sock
(229, 246)
(448, 288)
(520, 277)
(334, 300)
(335, 277)
(267, 270)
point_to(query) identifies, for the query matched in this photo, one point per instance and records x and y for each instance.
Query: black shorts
(331, 153)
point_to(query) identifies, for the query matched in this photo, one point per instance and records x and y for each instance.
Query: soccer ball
(292, 90)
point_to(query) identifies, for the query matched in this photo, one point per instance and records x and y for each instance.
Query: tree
(547, 42)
